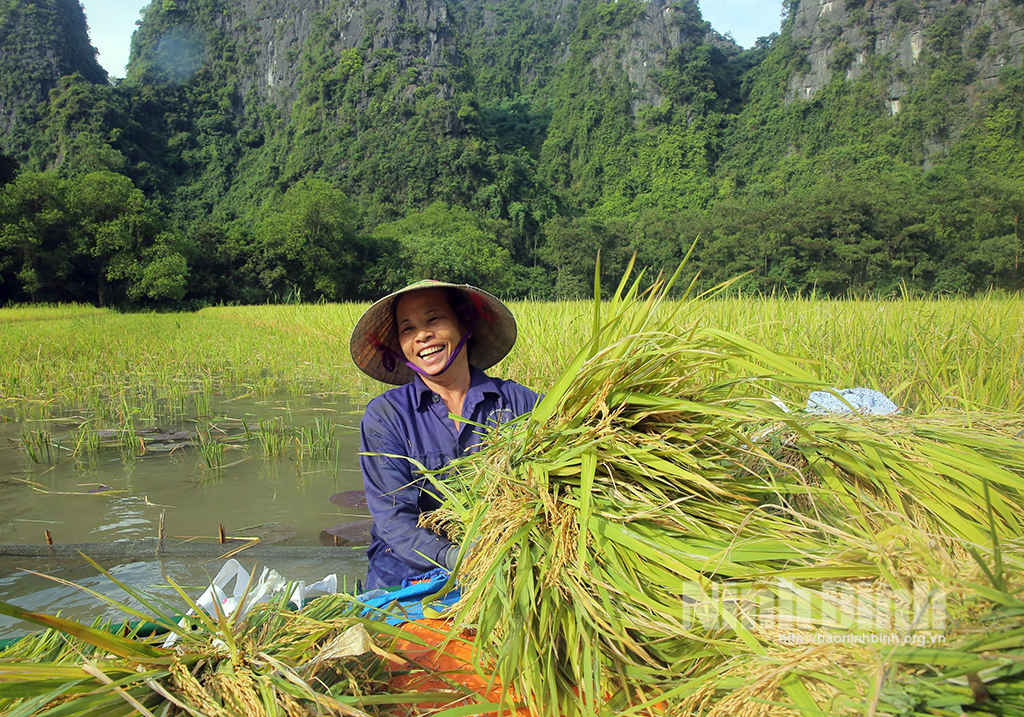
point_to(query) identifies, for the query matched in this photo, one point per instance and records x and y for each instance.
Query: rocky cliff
(844, 35)
(40, 42)
(272, 38)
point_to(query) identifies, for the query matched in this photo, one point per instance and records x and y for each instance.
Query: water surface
(120, 491)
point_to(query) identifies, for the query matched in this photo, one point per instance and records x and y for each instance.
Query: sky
(112, 22)
(745, 20)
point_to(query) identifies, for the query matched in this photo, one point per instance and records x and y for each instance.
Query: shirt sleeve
(523, 399)
(393, 493)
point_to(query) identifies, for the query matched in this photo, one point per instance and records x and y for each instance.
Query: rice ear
(657, 465)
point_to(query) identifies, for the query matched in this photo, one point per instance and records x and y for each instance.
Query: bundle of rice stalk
(273, 662)
(658, 474)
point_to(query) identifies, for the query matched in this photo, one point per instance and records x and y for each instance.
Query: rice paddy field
(658, 538)
(928, 356)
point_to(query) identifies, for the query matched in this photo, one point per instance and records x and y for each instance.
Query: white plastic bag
(866, 401)
(227, 592)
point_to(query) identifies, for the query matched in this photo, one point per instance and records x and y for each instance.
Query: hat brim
(494, 333)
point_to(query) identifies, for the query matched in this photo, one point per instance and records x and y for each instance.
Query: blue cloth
(863, 400)
(406, 603)
(412, 421)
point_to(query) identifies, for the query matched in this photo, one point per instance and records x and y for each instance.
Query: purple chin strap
(389, 358)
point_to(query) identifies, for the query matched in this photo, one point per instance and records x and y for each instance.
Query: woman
(434, 340)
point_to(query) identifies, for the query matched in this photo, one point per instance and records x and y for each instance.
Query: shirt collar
(479, 382)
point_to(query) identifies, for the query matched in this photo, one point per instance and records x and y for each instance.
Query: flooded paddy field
(247, 416)
(258, 468)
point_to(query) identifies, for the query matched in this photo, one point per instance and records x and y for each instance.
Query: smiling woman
(434, 341)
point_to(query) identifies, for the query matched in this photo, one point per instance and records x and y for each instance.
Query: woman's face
(428, 329)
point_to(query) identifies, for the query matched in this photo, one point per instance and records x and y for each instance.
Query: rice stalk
(658, 515)
(272, 437)
(223, 668)
(317, 441)
(40, 446)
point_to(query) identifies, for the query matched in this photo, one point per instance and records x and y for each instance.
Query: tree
(93, 237)
(34, 225)
(115, 228)
(307, 243)
(164, 275)
(440, 242)
(8, 169)
(83, 124)
(571, 248)
(996, 246)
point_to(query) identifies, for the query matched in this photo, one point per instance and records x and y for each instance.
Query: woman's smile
(430, 354)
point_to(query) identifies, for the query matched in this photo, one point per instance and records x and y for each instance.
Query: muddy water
(120, 490)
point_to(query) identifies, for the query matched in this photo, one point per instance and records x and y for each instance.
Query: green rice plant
(247, 432)
(928, 355)
(656, 473)
(211, 450)
(130, 443)
(177, 396)
(49, 312)
(202, 401)
(317, 441)
(85, 444)
(266, 663)
(273, 438)
(39, 446)
(25, 412)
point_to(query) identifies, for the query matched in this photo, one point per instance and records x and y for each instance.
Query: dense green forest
(505, 145)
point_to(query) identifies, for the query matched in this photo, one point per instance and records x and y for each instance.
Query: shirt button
(435, 398)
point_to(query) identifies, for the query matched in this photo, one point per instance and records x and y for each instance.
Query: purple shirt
(412, 421)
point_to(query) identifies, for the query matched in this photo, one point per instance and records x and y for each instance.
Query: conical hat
(494, 332)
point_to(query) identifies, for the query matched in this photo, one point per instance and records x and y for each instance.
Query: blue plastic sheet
(414, 600)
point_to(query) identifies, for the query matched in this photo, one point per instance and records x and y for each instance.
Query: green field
(928, 356)
(640, 540)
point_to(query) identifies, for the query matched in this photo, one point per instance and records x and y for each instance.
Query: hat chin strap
(390, 357)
